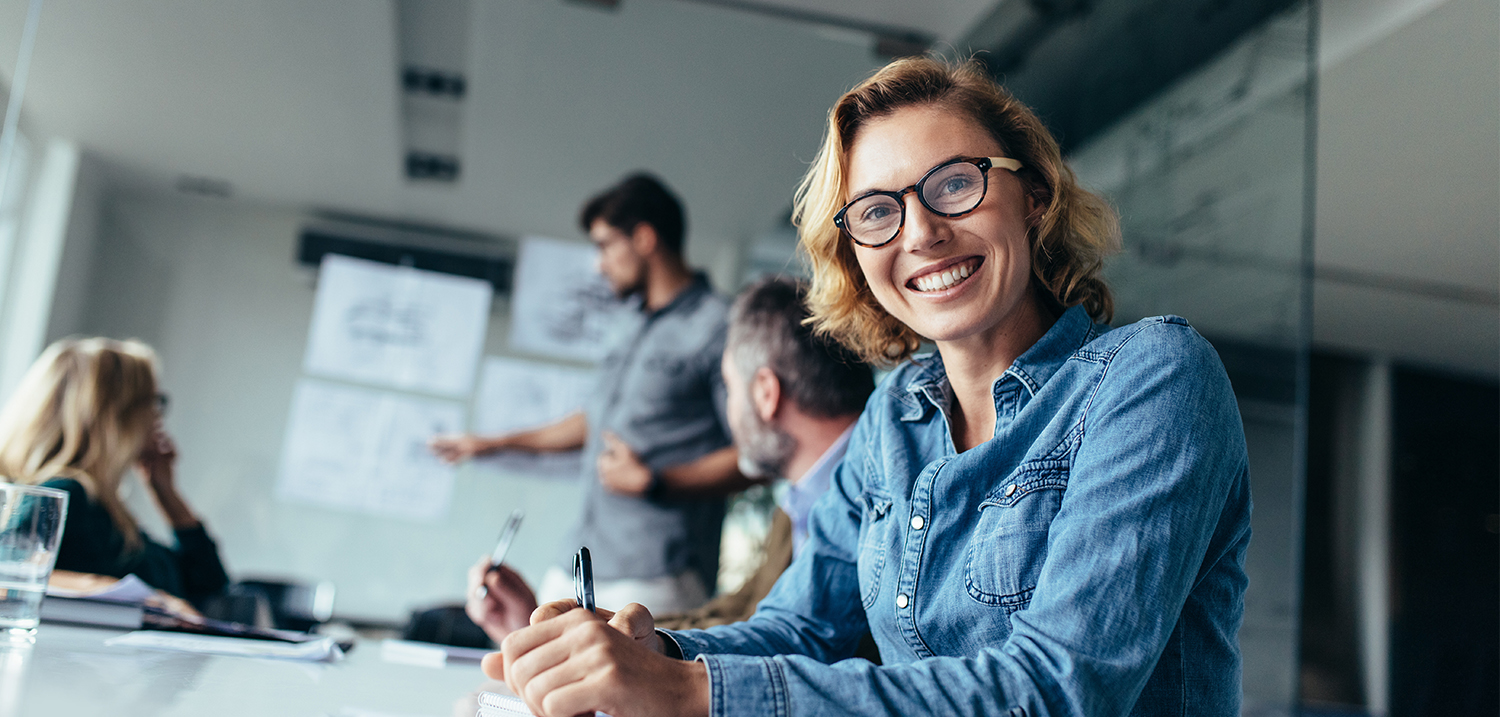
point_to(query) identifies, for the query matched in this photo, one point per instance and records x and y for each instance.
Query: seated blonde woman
(84, 414)
(1046, 517)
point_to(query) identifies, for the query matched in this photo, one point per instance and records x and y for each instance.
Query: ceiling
(296, 103)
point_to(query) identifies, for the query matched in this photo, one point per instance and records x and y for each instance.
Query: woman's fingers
(636, 621)
(530, 651)
(558, 608)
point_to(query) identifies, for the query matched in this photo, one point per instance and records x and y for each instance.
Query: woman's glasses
(951, 189)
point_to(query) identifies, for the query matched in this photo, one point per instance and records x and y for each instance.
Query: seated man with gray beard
(792, 399)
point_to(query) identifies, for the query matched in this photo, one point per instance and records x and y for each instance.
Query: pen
(507, 534)
(502, 546)
(583, 579)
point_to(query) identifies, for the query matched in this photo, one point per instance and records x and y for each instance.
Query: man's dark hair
(639, 198)
(768, 327)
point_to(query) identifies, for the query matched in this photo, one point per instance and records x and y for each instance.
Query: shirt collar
(1037, 364)
(800, 495)
(1031, 369)
(687, 298)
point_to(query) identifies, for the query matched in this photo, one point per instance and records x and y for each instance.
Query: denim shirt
(1087, 560)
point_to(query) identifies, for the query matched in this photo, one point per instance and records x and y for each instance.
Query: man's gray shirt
(660, 390)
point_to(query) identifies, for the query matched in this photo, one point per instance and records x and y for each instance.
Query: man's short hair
(768, 327)
(636, 199)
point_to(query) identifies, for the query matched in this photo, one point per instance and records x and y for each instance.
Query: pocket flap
(1031, 476)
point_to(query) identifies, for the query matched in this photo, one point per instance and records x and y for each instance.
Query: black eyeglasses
(951, 189)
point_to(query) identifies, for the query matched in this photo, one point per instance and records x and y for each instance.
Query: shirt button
(901, 601)
(916, 523)
(1010, 490)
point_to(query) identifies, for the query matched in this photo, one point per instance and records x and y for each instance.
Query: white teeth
(943, 279)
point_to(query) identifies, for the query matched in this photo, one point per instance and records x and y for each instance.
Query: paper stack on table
(319, 650)
(129, 589)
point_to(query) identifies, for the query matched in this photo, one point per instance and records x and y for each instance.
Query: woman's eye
(877, 213)
(954, 185)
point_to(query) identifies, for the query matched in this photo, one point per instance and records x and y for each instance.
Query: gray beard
(765, 452)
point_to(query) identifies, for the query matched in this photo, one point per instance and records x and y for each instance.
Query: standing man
(653, 532)
(793, 398)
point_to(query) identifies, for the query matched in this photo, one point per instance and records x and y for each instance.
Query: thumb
(634, 620)
(493, 665)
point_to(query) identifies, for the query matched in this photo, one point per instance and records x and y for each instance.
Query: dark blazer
(91, 543)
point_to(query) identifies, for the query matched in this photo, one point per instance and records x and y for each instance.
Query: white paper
(321, 650)
(365, 451)
(397, 326)
(428, 654)
(515, 394)
(129, 589)
(560, 305)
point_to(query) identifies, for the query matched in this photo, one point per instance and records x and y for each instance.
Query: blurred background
(1314, 185)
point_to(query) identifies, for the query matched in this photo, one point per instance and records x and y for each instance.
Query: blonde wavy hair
(83, 411)
(1070, 235)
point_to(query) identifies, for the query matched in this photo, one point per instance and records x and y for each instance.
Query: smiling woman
(1046, 517)
(1071, 229)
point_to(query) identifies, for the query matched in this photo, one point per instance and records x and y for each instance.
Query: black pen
(583, 579)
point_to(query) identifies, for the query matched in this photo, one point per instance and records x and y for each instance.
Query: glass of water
(31, 527)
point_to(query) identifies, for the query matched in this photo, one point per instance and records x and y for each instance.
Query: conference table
(70, 671)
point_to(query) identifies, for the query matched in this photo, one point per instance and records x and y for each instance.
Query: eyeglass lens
(950, 190)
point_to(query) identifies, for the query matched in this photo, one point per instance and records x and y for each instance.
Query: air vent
(435, 83)
(434, 249)
(435, 167)
(434, 42)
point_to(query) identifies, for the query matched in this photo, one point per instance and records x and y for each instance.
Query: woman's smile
(942, 277)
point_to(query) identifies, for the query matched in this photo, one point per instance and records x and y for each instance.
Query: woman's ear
(1038, 199)
(765, 394)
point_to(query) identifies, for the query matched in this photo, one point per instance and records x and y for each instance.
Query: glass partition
(1211, 179)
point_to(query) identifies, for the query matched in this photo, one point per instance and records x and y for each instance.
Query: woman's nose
(923, 229)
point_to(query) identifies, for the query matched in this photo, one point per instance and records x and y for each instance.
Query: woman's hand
(499, 601)
(571, 661)
(158, 459)
(158, 463)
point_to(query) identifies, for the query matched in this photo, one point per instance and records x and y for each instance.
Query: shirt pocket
(1009, 543)
(874, 536)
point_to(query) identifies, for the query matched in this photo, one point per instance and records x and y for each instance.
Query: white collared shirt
(799, 496)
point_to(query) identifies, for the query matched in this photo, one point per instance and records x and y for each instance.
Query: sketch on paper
(560, 305)
(397, 326)
(516, 394)
(365, 451)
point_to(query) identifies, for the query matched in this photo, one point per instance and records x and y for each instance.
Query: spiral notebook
(492, 704)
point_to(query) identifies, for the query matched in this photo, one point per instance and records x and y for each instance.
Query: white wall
(213, 285)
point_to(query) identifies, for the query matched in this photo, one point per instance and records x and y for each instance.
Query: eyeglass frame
(985, 164)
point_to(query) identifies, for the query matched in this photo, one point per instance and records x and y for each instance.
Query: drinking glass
(31, 527)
